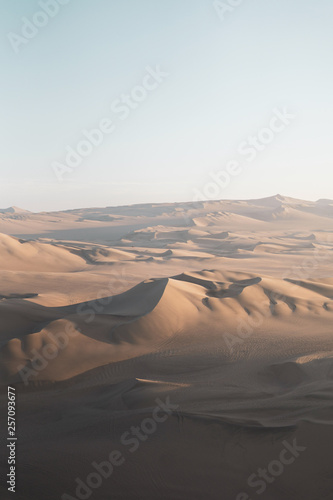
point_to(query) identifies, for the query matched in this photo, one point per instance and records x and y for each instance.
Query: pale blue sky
(225, 79)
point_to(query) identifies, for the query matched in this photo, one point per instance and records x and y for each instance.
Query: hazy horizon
(181, 91)
(162, 202)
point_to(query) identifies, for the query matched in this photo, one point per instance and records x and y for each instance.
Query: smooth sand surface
(224, 309)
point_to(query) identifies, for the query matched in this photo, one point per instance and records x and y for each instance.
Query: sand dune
(172, 312)
(223, 308)
(25, 255)
(13, 210)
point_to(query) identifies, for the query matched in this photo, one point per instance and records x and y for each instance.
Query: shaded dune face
(208, 315)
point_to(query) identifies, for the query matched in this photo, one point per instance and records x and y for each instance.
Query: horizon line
(7, 210)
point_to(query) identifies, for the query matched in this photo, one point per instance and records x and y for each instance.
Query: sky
(114, 102)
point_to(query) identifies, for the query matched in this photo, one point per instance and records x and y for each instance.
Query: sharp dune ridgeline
(222, 308)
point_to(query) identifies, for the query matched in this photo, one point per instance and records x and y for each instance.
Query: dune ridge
(160, 315)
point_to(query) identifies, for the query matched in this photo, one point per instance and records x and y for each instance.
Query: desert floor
(188, 347)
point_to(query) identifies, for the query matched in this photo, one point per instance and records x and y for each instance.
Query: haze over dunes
(224, 307)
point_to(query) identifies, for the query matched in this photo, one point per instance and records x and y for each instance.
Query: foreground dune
(199, 378)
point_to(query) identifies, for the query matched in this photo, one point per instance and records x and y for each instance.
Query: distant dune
(13, 210)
